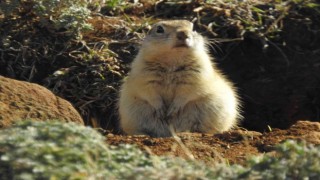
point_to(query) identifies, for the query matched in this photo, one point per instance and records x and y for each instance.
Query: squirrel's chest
(166, 81)
(170, 77)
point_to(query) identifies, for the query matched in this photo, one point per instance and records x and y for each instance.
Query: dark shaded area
(280, 84)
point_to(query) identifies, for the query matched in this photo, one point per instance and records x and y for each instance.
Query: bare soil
(233, 147)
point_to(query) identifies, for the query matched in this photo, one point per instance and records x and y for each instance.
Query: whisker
(221, 40)
(214, 45)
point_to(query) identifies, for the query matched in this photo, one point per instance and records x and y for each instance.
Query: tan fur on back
(173, 85)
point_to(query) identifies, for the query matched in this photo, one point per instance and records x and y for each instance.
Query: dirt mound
(233, 147)
(22, 100)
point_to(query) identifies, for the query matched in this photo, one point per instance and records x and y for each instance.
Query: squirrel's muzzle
(184, 39)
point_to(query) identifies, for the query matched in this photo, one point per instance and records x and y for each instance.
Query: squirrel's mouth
(181, 46)
(187, 43)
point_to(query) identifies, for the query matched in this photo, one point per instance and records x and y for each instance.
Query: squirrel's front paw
(159, 113)
(173, 109)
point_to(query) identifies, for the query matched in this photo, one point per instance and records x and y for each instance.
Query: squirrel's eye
(160, 30)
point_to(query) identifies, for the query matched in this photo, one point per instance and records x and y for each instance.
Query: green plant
(38, 150)
(113, 3)
(115, 7)
(294, 161)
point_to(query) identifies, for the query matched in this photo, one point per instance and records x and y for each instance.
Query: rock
(23, 100)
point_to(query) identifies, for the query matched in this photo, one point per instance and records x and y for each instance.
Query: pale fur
(176, 88)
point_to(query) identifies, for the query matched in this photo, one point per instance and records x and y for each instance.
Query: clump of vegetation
(68, 16)
(55, 150)
(294, 161)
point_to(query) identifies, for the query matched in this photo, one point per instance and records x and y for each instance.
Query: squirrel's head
(173, 35)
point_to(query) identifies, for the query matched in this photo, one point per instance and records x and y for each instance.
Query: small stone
(110, 135)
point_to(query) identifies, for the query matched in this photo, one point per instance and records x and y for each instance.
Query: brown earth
(23, 100)
(233, 147)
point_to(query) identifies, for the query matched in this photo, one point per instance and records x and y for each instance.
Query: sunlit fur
(176, 88)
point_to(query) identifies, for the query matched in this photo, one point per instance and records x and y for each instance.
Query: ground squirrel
(173, 86)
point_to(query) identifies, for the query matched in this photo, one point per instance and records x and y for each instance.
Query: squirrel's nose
(182, 35)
